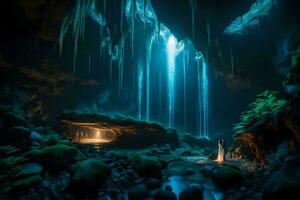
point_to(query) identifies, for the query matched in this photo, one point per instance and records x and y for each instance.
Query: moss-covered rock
(282, 186)
(226, 177)
(22, 184)
(8, 150)
(193, 192)
(11, 119)
(88, 176)
(52, 139)
(138, 192)
(56, 157)
(30, 169)
(146, 166)
(165, 195)
(19, 136)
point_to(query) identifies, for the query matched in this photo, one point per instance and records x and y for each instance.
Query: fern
(265, 103)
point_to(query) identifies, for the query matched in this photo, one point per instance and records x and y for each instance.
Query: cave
(150, 99)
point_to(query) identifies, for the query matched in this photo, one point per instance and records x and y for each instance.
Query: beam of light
(173, 49)
(140, 89)
(171, 53)
(203, 96)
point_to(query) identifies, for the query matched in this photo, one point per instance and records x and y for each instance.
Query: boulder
(226, 177)
(19, 136)
(193, 192)
(138, 193)
(36, 137)
(54, 158)
(292, 162)
(153, 183)
(88, 176)
(199, 142)
(165, 195)
(11, 119)
(282, 186)
(283, 150)
(52, 139)
(30, 169)
(146, 166)
(22, 184)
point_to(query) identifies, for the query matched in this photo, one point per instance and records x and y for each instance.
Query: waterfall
(184, 87)
(148, 60)
(140, 89)
(203, 96)
(171, 53)
(140, 30)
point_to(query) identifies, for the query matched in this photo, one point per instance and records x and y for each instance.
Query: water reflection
(178, 184)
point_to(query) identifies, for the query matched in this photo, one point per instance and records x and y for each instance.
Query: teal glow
(203, 96)
(171, 53)
(140, 90)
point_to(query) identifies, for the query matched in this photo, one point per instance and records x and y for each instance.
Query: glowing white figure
(220, 157)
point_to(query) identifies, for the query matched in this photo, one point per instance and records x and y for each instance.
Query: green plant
(265, 103)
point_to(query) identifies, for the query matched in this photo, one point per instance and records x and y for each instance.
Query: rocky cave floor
(38, 163)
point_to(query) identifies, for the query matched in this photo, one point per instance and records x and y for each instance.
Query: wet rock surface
(49, 166)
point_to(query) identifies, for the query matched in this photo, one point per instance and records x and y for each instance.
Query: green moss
(55, 157)
(267, 102)
(90, 171)
(53, 139)
(88, 176)
(226, 177)
(23, 184)
(146, 166)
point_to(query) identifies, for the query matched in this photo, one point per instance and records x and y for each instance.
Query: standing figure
(220, 157)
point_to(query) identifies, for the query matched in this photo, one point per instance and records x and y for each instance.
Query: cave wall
(31, 29)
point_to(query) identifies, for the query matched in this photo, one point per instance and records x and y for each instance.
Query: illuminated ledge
(126, 132)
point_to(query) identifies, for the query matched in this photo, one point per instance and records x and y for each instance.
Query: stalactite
(104, 6)
(90, 63)
(140, 89)
(122, 9)
(132, 26)
(208, 32)
(63, 30)
(232, 63)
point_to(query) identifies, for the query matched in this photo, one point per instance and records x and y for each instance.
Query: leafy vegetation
(265, 103)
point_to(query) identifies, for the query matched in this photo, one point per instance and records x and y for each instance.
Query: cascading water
(203, 96)
(148, 60)
(140, 89)
(171, 51)
(184, 60)
(166, 82)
